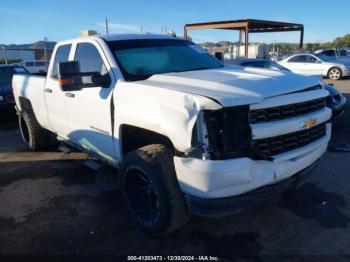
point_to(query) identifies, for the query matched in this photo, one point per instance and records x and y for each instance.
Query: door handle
(48, 90)
(70, 95)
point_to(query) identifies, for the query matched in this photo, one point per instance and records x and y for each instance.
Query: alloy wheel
(142, 195)
(334, 74)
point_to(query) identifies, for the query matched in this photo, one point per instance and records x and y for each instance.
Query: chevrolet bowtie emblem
(309, 123)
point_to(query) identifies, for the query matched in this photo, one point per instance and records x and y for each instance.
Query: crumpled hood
(233, 85)
(6, 88)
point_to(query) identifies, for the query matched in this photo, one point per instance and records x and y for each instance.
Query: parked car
(35, 67)
(188, 134)
(333, 54)
(6, 73)
(260, 63)
(308, 64)
(344, 52)
(336, 100)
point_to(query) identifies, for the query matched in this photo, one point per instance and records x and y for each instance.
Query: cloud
(121, 28)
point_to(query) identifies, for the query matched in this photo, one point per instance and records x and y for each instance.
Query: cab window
(89, 59)
(62, 55)
(298, 59)
(310, 59)
(330, 52)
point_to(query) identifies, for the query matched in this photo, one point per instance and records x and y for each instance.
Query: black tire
(33, 135)
(151, 191)
(335, 73)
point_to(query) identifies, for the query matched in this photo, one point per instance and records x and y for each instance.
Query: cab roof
(116, 37)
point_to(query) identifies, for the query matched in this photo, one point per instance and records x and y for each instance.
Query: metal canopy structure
(247, 26)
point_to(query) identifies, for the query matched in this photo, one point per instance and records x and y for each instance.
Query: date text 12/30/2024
(173, 258)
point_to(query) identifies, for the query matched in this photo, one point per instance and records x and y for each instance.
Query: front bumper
(214, 179)
(338, 108)
(214, 208)
(346, 72)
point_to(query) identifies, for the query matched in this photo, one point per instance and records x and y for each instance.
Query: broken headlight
(229, 132)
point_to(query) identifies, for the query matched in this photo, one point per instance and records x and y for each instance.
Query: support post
(246, 42)
(239, 43)
(301, 45)
(185, 32)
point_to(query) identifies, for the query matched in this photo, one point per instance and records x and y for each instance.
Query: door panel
(313, 67)
(90, 108)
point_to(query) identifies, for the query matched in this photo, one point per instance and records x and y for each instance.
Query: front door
(313, 66)
(90, 109)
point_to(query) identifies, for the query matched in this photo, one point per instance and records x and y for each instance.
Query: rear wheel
(33, 135)
(334, 73)
(151, 191)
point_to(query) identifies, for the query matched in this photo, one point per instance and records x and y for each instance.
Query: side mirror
(219, 56)
(72, 79)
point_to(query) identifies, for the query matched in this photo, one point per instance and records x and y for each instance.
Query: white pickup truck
(189, 135)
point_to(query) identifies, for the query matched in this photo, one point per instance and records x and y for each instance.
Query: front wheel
(334, 73)
(151, 191)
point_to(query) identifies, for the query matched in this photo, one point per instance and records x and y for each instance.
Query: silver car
(319, 64)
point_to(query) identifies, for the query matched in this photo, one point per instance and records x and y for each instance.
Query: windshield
(140, 59)
(6, 73)
(265, 64)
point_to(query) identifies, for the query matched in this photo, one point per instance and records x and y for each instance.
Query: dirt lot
(51, 203)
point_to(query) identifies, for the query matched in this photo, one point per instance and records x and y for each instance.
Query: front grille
(286, 111)
(10, 98)
(271, 146)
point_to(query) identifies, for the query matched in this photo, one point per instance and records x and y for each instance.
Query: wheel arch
(133, 137)
(24, 104)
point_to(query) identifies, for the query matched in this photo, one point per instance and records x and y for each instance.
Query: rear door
(89, 109)
(55, 98)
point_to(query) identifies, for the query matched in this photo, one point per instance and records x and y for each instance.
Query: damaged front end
(222, 134)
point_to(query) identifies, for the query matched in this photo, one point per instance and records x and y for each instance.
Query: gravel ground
(52, 204)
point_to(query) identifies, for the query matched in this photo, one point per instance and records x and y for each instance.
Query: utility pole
(107, 26)
(4, 53)
(45, 51)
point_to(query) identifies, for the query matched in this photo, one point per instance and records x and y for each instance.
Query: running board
(65, 149)
(94, 165)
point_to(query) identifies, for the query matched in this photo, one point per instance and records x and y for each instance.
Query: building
(255, 50)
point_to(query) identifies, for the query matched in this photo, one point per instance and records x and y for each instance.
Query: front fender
(167, 112)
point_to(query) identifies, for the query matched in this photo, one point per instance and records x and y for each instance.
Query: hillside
(36, 45)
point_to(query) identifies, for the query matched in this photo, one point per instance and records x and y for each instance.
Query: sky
(28, 21)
